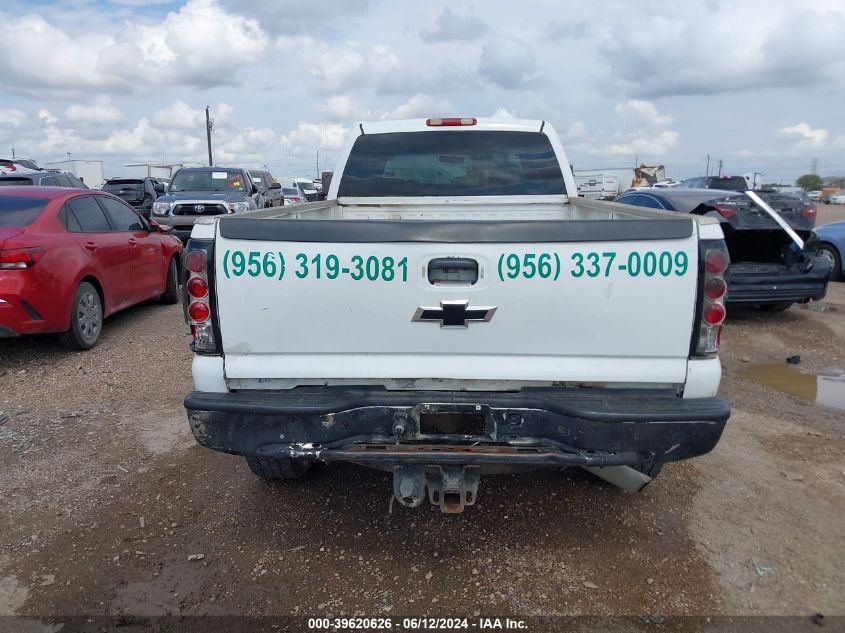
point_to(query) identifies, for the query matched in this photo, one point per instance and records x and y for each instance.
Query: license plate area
(452, 419)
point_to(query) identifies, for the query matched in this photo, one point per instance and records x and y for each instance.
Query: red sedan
(71, 257)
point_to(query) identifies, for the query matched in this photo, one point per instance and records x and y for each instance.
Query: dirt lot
(104, 497)
(830, 213)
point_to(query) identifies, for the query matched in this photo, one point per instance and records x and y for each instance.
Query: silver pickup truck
(451, 310)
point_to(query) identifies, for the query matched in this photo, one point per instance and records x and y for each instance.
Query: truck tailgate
(607, 301)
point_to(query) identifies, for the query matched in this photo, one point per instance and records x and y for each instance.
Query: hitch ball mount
(449, 487)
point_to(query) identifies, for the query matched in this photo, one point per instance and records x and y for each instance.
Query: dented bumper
(532, 427)
(752, 284)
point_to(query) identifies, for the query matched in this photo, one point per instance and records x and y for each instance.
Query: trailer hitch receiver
(449, 487)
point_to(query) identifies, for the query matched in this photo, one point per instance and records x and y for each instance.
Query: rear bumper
(18, 317)
(755, 284)
(533, 427)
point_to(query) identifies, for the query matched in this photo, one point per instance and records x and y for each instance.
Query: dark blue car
(767, 268)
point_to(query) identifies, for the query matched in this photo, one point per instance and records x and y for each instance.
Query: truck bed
(388, 209)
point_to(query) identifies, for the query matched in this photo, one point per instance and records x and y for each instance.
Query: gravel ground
(106, 502)
(830, 213)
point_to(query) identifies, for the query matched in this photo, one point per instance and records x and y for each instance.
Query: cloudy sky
(758, 84)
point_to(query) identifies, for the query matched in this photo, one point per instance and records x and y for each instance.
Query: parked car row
(191, 192)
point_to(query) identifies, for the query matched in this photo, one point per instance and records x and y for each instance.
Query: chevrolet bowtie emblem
(454, 313)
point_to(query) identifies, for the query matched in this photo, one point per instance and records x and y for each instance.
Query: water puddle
(827, 391)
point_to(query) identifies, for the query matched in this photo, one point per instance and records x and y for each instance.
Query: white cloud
(504, 113)
(575, 133)
(101, 112)
(804, 136)
(340, 68)
(420, 106)
(641, 114)
(343, 108)
(299, 147)
(709, 48)
(200, 45)
(47, 117)
(179, 116)
(658, 145)
(339, 108)
(12, 117)
(641, 130)
(250, 146)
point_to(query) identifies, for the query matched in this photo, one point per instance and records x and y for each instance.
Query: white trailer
(754, 180)
(163, 172)
(88, 171)
(597, 185)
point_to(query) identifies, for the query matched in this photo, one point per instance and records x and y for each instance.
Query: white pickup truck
(450, 310)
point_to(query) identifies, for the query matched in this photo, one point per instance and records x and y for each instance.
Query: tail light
(17, 258)
(450, 122)
(199, 303)
(725, 211)
(713, 288)
(809, 213)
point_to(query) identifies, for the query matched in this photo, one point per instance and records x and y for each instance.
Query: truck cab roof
(422, 125)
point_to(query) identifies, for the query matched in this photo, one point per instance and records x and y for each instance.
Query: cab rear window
(732, 183)
(20, 211)
(452, 163)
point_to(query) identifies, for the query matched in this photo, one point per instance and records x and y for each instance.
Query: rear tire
(278, 467)
(777, 307)
(86, 319)
(832, 254)
(171, 290)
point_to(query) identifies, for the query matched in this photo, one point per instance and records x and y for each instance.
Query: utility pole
(68, 155)
(707, 173)
(209, 126)
(815, 166)
(318, 163)
(13, 153)
(720, 167)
